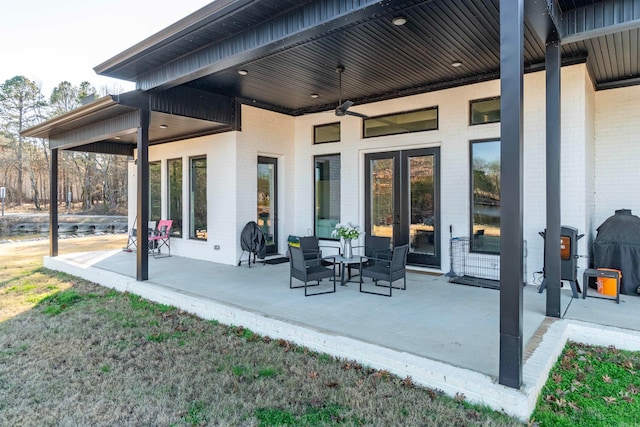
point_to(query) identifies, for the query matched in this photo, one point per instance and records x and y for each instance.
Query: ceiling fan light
(399, 20)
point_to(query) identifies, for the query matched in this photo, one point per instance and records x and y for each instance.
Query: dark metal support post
(552, 260)
(53, 204)
(511, 160)
(142, 254)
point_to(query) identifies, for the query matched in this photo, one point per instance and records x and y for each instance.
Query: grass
(69, 360)
(591, 386)
(75, 353)
(80, 354)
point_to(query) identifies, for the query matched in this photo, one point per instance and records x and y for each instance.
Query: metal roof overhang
(291, 48)
(109, 124)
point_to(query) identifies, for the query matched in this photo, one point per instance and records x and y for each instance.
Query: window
(326, 133)
(174, 196)
(485, 111)
(198, 198)
(410, 121)
(485, 196)
(327, 179)
(155, 198)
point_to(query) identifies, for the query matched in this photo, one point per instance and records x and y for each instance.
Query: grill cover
(617, 245)
(252, 240)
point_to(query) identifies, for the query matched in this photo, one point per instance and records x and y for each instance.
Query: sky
(50, 41)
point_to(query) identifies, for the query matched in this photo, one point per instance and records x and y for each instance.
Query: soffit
(381, 60)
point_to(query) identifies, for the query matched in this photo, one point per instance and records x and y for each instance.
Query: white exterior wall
(576, 150)
(220, 151)
(617, 152)
(268, 134)
(574, 154)
(453, 137)
(589, 171)
(598, 136)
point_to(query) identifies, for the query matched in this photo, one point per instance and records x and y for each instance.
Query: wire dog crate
(476, 268)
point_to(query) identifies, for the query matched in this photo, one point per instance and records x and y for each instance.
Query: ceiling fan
(343, 107)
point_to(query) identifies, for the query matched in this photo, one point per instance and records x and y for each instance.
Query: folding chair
(131, 241)
(161, 238)
(151, 230)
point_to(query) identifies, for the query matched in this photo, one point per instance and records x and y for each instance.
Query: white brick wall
(269, 134)
(589, 169)
(617, 151)
(220, 152)
(453, 137)
(598, 155)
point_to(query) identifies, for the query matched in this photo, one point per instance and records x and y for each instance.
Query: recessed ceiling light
(243, 72)
(399, 20)
(456, 64)
(116, 137)
(314, 95)
(163, 126)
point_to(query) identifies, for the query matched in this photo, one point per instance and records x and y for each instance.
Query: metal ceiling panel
(290, 52)
(601, 19)
(313, 19)
(212, 23)
(381, 60)
(189, 102)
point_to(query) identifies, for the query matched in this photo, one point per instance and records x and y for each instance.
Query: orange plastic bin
(606, 285)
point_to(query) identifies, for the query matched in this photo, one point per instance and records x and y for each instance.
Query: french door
(268, 201)
(402, 196)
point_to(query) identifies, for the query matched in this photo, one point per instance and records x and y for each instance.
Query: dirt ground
(28, 252)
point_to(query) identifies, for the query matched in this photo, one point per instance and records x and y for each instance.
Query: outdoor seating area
(380, 263)
(157, 238)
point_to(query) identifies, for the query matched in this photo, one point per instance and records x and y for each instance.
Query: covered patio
(440, 334)
(278, 60)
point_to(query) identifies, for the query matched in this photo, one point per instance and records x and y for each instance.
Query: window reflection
(155, 199)
(421, 188)
(485, 176)
(327, 178)
(198, 199)
(174, 208)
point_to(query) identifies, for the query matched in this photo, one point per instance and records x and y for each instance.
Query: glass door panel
(267, 201)
(402, 201)
(382, 204)
(422, 205)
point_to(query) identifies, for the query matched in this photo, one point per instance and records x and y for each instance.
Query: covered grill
(617, 246)
(252, 240)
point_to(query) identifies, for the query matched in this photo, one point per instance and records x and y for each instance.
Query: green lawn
(75, 353)
(591, 386)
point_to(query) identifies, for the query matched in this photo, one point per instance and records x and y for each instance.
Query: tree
(21, 106)
(66, 97)
(90, 177)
